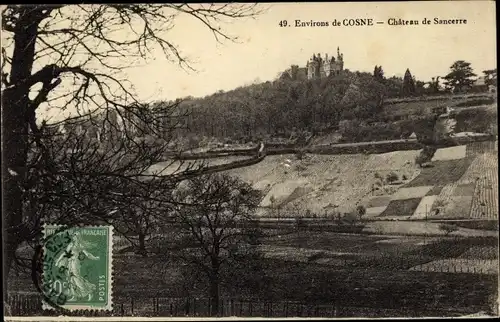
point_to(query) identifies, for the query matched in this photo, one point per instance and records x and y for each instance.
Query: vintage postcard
(249, 160)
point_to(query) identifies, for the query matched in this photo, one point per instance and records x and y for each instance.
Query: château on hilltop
(317, 67)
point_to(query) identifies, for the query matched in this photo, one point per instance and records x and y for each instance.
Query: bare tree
(215, 232)
(142, 221)
(80, 50)
(72, 179)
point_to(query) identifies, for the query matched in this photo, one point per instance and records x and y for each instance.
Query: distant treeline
(352, 103)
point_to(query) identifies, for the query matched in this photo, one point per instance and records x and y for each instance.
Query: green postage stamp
(77, 267)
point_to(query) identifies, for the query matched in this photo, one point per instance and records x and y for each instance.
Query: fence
(30, 305)
(234, 307)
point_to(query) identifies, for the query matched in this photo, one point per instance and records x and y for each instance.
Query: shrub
(299, 154)
(404, 177)
(300, 167)
(476, 102)
(425, 155)
(419, 160)
(350, 217)
(440, 203)
(448, 228)
(361, 210)
(392, 177)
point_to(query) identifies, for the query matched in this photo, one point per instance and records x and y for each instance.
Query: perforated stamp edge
(86, 308)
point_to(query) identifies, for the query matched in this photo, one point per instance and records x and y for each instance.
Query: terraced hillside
(321, 183)
(461, 182)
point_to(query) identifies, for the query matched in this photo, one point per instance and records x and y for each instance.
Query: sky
(264, 48)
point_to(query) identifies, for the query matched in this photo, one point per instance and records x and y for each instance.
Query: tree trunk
(15, 104)
(214, 293)
(142, 245)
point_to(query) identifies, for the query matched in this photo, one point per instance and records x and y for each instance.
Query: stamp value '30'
(77, 264)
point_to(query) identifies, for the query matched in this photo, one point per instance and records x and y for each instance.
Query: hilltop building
(317, 67)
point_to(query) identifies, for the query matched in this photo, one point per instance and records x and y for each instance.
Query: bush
(361, 210)
(448, 228)
(300, 154)
(476, 102)
(440, 203)
(392, 177)
(300, 167)
(476, 120)
(425, 155)
(350, 217)
(419, 160)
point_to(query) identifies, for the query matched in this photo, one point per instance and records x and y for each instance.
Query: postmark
(76, 268)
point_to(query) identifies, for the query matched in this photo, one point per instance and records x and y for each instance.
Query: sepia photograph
(249, 160)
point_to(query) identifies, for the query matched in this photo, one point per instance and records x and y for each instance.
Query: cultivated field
(326, 182)
(374, 274)
(485, 202)
(441, 173)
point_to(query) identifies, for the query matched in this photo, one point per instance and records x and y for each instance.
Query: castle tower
(317, 67)
(339, 65)
(313, 67)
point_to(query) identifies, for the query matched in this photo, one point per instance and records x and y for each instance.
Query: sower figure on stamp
(69, 260)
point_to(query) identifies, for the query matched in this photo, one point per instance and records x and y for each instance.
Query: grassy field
(401, 208)
(441, 173)
(373, 274)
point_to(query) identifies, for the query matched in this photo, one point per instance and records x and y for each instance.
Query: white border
(109, 305)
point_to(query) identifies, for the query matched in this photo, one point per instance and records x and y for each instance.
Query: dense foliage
(351, 102)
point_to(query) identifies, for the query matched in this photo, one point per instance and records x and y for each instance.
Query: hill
(460, 183)
(350, 107)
